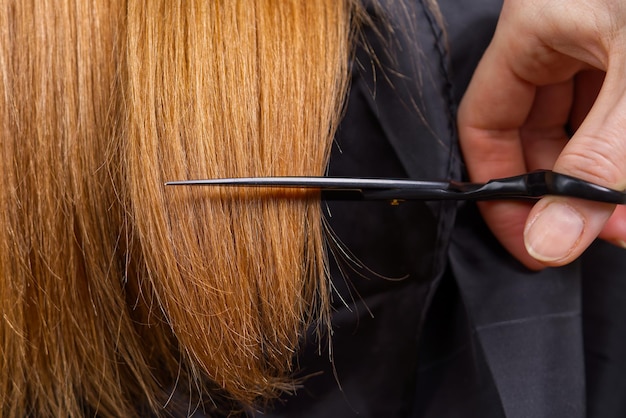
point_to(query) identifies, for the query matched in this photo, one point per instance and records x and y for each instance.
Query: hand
(553, 67)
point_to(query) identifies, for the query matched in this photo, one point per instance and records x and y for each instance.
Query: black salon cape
(432, 317)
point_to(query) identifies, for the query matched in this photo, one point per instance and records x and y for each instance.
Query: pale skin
(554, 67)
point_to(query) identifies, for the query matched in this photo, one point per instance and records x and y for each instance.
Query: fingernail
(554, 232)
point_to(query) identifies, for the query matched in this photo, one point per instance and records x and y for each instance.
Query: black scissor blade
(324, 183)
(526, 186)
(342, 188)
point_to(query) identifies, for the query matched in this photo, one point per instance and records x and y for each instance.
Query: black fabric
(452, 375)
(528, 323)
(433, 319)
(604, 326)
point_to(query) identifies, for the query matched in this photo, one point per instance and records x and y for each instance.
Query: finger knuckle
(601, 161)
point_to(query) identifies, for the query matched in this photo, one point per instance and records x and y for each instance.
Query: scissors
(533, 185)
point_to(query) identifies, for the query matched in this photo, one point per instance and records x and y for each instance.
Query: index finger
(495, 106)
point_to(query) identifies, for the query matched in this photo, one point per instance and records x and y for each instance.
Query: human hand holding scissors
(554, 68)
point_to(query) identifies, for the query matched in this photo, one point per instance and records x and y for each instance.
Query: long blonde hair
(118, 296)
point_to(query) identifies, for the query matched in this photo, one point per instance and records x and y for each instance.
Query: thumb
(559, 229)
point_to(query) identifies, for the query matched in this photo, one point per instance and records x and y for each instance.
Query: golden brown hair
(120, 297)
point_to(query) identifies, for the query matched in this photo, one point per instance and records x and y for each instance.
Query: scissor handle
(540, 183)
